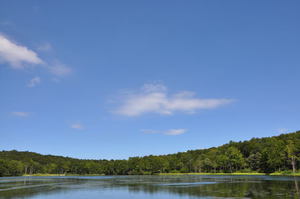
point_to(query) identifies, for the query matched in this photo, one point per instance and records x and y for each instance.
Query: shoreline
(50, 174)
(173, 174)
(235, 174)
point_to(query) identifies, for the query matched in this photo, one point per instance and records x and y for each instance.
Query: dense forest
(267, 155)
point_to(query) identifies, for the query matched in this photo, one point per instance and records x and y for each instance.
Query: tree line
(267, 155)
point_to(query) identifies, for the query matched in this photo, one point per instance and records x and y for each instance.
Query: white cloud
(166, 132)
(16, 55)
(33, 82)
(148, 88)
(77, 126)
(20, 114)
(175, 131)
(20, 57)
(60, 69)
(154, 98)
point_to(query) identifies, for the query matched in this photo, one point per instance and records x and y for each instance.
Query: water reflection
(150, 187)
(296, 186)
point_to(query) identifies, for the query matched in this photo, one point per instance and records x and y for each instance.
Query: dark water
(149, 187)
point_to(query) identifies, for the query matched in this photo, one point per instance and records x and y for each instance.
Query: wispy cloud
(20, 114)
(33, 82)
(45, 47)
(17, 56)
(154, 98)
(6, 23)
(59, 69)
(282, 130)
(77, 126)
(20, 57)
(150, 131)
(175, 131)
(171, 132)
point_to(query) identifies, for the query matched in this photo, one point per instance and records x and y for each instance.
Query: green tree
(254, 161)
(235, 158)
(291, 153)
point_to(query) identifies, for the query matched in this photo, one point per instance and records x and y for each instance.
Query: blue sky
(114, 79)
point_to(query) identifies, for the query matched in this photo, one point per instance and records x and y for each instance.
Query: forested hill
(278, 153)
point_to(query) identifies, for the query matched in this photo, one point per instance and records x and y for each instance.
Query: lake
(149, 187)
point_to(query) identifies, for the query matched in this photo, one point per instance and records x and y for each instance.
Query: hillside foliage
(267, 155)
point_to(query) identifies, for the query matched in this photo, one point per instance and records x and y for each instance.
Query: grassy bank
(237, 173)
(285, 174)
(44, 174)
(170, 174)
(212, 174)
(68, 174)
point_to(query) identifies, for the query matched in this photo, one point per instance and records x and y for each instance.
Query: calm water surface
(149, 187)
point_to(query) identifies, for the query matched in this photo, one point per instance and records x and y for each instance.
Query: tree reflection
(185, 186)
